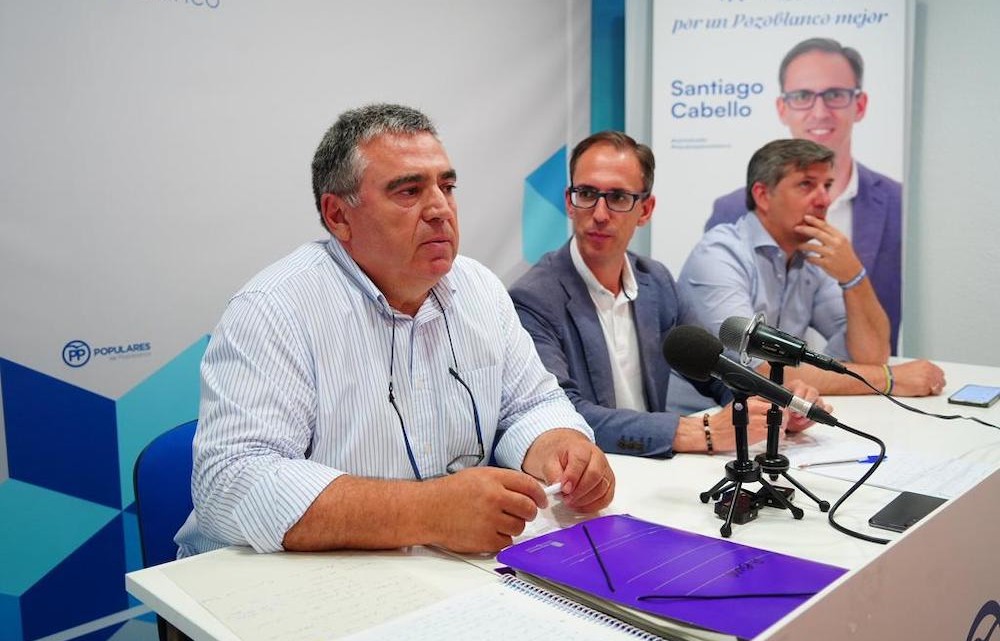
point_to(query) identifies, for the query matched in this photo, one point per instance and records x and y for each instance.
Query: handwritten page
(306, 597)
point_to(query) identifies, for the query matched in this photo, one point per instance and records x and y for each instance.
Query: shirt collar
(629, 287)
(851, 190)
(760, 238)
(444, 288)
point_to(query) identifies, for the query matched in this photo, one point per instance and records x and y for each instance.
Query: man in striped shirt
(376, 389)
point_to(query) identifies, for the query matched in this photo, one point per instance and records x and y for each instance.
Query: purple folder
(705, 582)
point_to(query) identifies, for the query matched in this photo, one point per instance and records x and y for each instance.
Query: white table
(666, 491)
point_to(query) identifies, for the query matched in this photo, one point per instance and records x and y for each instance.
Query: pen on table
(866, 459)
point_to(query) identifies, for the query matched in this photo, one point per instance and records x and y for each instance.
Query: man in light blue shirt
(787, 262)
(356, 391)
(822, 100)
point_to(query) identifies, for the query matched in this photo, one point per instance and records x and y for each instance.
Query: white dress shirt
(841, 211)
(618, 325)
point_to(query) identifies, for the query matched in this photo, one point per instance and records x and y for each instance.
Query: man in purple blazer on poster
(821, 100)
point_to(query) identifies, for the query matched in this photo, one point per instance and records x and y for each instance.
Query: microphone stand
(738, 504)
(774, 464)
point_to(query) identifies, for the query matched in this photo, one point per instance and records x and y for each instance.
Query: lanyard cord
(452, 370)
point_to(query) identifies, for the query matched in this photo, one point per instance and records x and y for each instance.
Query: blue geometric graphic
(607, 65)
(88, 581)
(60, 436)
(68, 531)
(10, 617)
(41, 529)
(132, 553)
(544, 225)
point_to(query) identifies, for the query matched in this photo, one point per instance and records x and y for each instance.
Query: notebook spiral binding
(577, 609)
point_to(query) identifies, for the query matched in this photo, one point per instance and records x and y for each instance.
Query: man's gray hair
(338, 164)
(776, 159)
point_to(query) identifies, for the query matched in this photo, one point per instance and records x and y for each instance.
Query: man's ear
(648, 205)
(782, 109)
(333, 207)
(761, 197)
(860, 106)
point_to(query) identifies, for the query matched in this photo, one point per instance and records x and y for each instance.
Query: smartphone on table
(904, 510)
(976, 395)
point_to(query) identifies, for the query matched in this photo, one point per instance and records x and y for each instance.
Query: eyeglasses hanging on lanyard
(461, 461)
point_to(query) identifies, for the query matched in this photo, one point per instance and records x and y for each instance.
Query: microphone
(697, 354)
(752, 338)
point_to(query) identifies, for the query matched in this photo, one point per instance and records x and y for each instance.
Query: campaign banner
(717, 98)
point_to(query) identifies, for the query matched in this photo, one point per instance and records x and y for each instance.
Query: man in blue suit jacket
(821, 100)
(598, 313)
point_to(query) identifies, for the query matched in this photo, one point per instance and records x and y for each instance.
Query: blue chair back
(162, 482)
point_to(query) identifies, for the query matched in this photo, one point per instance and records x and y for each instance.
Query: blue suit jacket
(877, 219)
(556, 309)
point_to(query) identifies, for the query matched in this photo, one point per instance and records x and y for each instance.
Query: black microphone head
(733, 332)
(692, 351)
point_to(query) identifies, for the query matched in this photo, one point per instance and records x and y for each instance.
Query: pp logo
(76, 353)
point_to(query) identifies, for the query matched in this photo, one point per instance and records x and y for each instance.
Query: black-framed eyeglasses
(461, 461)
(617, 200)
(833, 98)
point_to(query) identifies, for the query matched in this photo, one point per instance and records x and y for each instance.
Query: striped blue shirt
(295, 391)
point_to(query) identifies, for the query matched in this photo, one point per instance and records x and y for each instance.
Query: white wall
(952, 288)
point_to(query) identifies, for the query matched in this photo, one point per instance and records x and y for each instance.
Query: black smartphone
(904, 510)
(976, 395)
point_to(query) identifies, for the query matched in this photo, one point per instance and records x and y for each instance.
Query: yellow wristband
(888, 378)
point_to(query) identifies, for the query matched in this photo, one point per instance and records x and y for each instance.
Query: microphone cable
(856, 485)
(881, 455)
(947, 417)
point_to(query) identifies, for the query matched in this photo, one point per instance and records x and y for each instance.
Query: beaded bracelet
(708, 434)
(889, 380)
(854, 282)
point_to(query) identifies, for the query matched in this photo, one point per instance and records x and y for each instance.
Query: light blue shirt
(738, 269)
(295, 391)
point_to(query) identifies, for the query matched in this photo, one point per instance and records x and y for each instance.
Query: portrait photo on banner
(729, 77)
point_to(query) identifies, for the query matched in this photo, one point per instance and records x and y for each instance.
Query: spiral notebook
(669, 581)
(505, 610)
(418, 594)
